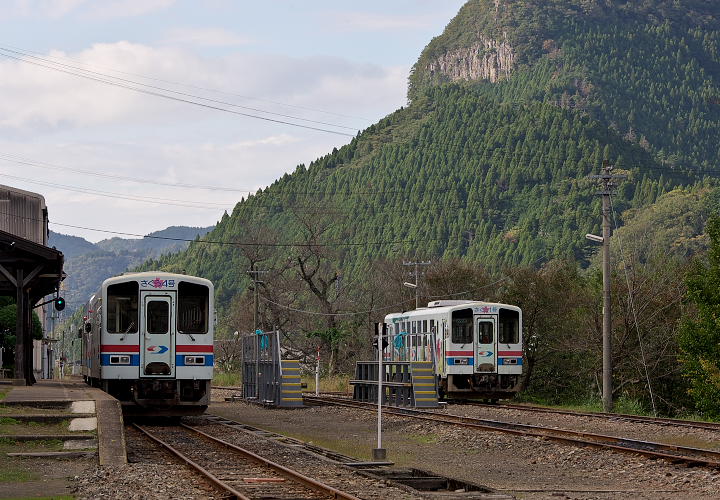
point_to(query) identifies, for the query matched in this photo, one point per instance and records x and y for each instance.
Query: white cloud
(125, 8)
(33, 97)
(366, 21)
(93, 8)
(205, 37)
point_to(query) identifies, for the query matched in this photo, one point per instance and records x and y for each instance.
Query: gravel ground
(668, 434)
(529, 468)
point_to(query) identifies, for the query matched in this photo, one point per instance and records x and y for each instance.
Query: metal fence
(267, 379)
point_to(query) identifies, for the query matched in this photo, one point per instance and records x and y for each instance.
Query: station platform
(86, 407)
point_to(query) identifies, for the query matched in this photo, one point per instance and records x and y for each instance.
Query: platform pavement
(107, 410)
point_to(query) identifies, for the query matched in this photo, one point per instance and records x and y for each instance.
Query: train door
(486, 345)
(157, 335)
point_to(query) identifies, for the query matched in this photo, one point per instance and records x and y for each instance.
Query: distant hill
(88, 264)
(70, 246)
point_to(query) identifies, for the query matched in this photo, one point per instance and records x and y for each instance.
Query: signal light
(59, 303)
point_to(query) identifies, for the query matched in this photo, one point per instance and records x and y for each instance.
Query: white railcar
(148, 341)
(477, 346)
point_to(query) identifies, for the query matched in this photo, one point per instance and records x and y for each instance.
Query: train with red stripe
(476, 347)
(147, 340)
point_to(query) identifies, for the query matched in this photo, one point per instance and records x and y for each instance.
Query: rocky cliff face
(487, 59)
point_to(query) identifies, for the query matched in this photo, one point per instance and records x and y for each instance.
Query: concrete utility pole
(254, 274)
(608, 185)
(416, 285)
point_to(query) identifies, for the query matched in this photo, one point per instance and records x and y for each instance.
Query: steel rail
(651, 449)
(282, 470)
(208, 475)
(697, 424)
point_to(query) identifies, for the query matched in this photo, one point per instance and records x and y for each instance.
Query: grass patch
(423, 438)
(4, 392)
(227, 379)
(13, 426)
(333, 383)
(13, 475)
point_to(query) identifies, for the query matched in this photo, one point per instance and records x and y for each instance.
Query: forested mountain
(88, 264)
(510, 110)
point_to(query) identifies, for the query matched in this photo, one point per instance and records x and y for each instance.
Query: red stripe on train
(119, 348)
(193, 348)
(458, 353)
(509, 353)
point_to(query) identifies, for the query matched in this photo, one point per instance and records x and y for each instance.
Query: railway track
(234, 470)
(695, 424)
(676, 454)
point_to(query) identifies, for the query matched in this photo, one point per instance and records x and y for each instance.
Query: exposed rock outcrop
(487, 59)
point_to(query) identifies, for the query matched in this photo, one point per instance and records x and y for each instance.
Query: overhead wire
(197, 87)
(145, 199)
(314, 313)
(171, 97)
(185, 94)
(632, 308)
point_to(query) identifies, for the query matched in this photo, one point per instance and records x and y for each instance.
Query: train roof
(151, 276)
(446, 306)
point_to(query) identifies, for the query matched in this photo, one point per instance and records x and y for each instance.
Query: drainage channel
(435, 485)
(425, 483)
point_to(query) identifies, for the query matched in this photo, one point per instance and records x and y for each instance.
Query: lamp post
(415, 287)
(417, 265)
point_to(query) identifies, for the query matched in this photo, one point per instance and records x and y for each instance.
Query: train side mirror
(88, 327)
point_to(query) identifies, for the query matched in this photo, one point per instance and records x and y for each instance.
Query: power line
(185, 94)
(20, 160)
(148, 199)
(313, 313)
(250, 244)
(172, 98)
(197, 87)
(34, 163)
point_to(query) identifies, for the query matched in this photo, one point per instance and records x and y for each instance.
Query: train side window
(158, 316)
(462, 326)
(193, 306)
(509, 326)
(485, 332)
(122, 307)
(424, 328)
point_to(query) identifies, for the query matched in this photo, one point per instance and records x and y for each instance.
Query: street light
(415, 287)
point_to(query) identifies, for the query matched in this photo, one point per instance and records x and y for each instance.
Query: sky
(130, 116)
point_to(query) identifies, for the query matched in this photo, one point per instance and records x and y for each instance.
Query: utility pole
(608, 185)
(254, 274)
(416, 285)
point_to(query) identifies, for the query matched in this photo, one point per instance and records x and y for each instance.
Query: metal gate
(267, 378)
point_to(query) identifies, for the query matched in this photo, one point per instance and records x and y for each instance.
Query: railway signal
(59, 304)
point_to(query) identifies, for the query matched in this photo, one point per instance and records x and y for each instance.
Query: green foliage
(700, 333)
(226, 379)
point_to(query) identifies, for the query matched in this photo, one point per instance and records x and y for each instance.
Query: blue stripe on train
(501, 361)
(180, 359)
(454, 361)
(105, 359)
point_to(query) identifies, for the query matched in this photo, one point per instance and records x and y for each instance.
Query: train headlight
(119, 360)
(195, 360)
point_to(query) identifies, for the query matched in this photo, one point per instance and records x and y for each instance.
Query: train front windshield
(122, 307)
(193, 308)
